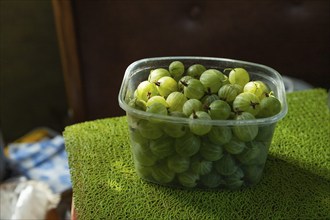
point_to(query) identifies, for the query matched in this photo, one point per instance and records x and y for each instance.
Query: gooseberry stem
(228, 69)
(238, 112)
(208, 91)
(254, 104)
(206, 107)
(149, 95)
(184, 83)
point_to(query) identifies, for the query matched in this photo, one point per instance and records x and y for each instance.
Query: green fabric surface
(295, 183)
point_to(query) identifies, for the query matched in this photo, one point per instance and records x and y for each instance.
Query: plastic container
(166, 152)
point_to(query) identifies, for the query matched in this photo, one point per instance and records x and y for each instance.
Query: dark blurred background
(54, 53)
(32, 91)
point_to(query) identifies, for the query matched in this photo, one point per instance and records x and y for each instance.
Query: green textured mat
(295, 184)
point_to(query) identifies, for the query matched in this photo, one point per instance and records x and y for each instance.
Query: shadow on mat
(285, 191)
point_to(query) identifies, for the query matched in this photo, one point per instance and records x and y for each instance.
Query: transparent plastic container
(166, 152)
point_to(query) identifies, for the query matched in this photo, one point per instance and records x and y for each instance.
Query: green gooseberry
(149, 130)
(226, 165)
(247, 102)
(157, 108)
(178, 164)
(156, 74)
(198, 123)
(212, 80)
(257, 87)
(188, 179)
(210, 151)
(143, 171)
(183, 81)
(265, 133)
(200, 166)
(146, 90)
(208, 99)
(234, 146)
(137, 138)
(212, 179)
(219, 110)
(162, 174)
(233, 184)
(173, 129)
(192, 105)
(187, 145)
(162, 147)
(228, 92)
(239, 76)
(252, 153)
(269, 106)
(143, 155)
(157, 99)
(220, 135)
(193, 89)
(176, 69)
(245, 132)
(195, 70)
(166, 85)
(175, 101)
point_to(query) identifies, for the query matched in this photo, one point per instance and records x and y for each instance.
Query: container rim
(165, 118)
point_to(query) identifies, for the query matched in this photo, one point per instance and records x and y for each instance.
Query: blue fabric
(45, 161)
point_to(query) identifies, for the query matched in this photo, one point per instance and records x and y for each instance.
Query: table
(295, 183)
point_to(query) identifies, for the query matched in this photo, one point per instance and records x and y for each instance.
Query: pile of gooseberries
(199, 153)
